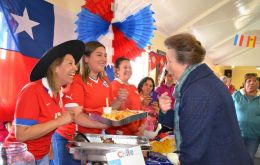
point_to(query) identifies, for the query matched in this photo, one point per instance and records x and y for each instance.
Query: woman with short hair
(247, 104)
(205, 124)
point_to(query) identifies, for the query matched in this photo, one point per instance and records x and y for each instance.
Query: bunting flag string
(124, 27)
(245, 40)
(156, 60)
(251, 41)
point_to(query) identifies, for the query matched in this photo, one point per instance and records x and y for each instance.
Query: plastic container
(151, 162)
(71, 105)
(157, 162)
(15, 153)
(107, 110)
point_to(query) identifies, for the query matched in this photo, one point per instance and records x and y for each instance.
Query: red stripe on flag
(254, 41)
(248, 41)
(241, 40)
(15, 71)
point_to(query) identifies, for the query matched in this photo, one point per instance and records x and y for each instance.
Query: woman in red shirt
(39, 107)
(89, 89)
(124, 96)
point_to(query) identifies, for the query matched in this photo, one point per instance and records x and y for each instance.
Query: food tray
(94, 151)
(116, 123)
(143, 141)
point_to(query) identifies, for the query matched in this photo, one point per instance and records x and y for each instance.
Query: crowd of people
(213, 123)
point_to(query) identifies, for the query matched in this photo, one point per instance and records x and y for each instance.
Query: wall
(238, 74)
(158, 41)
(218, 70)
(73, 6)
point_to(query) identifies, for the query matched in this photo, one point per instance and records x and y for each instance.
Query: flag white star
(24, 23)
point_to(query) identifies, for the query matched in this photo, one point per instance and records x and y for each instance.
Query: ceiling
(215, 23)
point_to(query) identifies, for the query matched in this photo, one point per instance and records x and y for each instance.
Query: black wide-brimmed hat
(74, 47)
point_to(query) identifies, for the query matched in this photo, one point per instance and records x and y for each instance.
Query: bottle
(15, 153)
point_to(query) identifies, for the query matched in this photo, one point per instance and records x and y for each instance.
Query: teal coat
(248, 113)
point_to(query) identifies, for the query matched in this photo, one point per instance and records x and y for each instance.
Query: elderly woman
(247, 103)
(206, 127)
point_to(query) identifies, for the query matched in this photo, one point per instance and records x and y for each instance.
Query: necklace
(93, 79)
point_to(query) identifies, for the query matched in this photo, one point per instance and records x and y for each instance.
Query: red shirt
(92, 96)
(133, 102)
(231, 89)
(3, 132)
(34, 106)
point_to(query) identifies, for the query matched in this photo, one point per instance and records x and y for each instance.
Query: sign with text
(127, 156)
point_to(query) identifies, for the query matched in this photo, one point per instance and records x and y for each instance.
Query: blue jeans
(43, 161)
(252, 146)
(60, 152)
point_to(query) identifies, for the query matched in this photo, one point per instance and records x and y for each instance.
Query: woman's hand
(146, 100)
(141, 130)
(65, 118)
(25, 133)
(122, 94)
(75, 110)
(165, 102)
(119, 102)
(69, 115)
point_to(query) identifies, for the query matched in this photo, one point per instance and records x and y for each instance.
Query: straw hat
(74, 47)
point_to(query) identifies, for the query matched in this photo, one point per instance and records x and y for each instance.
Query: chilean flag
(156, 60)
(27, 29)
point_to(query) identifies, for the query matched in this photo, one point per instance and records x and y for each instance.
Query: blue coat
(166, 119)
(208, 123)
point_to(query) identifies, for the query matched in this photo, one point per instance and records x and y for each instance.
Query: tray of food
(119, 118)
(143, 141)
